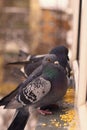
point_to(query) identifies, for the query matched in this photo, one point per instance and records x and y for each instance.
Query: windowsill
(82, 111)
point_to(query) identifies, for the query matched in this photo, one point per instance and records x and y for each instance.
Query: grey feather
(36, 89)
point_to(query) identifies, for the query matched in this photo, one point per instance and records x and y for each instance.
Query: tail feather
(20, 120)
(18, 63)
(23, 54)
(29, 60)
(8, 98)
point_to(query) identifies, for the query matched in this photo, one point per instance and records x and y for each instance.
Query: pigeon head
(62, 56)
(49, 58)
(51, 66)
(59, 51)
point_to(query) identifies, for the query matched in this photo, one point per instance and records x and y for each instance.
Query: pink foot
(44, 112)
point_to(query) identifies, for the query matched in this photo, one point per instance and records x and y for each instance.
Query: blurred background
(35, 26)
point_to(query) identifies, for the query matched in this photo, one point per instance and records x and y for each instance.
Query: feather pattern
(37, 89)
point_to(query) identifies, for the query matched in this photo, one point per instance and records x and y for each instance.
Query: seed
(44, 124)
(65, 124)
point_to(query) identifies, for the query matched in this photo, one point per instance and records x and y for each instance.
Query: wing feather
(36, 89)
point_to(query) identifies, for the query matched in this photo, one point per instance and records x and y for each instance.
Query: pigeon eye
(49, 59)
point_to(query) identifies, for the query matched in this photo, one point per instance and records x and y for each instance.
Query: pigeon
(46, 88)
(35, 73)
(33, 61)
(48, 58)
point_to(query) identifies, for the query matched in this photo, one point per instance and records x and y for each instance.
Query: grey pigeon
(46, 88)
(33, 61)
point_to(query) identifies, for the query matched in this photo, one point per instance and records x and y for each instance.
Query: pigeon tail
(20, 120)
(9, 97)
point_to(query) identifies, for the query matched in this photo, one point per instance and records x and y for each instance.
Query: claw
(44, 112)
(51, 107)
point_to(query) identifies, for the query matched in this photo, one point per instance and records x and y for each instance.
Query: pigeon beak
(68, 58)
(56, 62)
(68, 69)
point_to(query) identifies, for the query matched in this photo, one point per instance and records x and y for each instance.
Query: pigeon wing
(36, 90)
